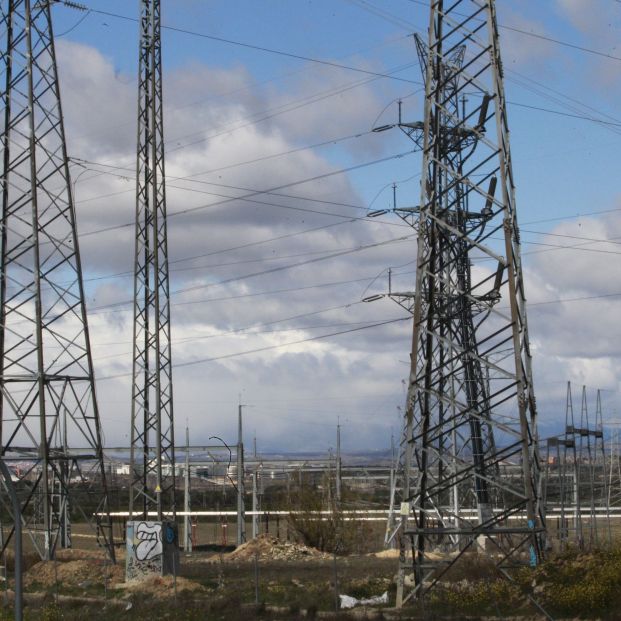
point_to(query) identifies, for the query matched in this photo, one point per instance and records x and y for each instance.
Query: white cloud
(575, 340)
(207, 123)
(298, 390)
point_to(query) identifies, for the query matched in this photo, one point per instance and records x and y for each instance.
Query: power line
(348, 220)
(365, 5)
(100, 310)
(254, 192)
(279, 110)
(566, 114)
(271, 347)
(376, 75)
(578, 215)
(324, 258)
(260, 325)
(127, 274)
(332, 334)
(581, 238)
(580, 299)
(261, 48)
(258, 192)
(273, 270)
(580, 48)
(253, 330)
(104, 308)
(535, 35)
(263, 158)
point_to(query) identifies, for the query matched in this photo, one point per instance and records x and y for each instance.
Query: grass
(583, 585)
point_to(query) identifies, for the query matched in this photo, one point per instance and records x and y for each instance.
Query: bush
(580, 584)
(331, 531)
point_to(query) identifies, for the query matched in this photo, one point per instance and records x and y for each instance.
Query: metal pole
(338, 463)
(256, 577)
(336, 584)
(241, 518)
(187, 526)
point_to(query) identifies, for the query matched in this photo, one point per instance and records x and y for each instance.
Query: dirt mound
(267, 547)
(162, 587)
(80, 573)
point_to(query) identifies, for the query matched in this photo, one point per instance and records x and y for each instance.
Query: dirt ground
(288, 580)
(272, 579)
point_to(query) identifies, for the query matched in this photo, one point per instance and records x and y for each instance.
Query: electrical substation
(487, 503)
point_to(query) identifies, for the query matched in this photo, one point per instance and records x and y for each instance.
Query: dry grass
(222, 587)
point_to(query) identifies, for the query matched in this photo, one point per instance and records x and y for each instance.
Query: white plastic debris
(347, 601)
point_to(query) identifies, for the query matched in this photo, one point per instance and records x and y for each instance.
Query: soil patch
(75, 573)
(267, 547)
(163, 587)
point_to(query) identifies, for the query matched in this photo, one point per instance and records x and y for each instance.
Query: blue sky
(226, 104)
(374, 35)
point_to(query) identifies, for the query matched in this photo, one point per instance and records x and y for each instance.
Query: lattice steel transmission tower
(469, 472)
(152, 432)
(47, 400)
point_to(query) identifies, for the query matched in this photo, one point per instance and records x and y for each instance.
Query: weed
(51, 612)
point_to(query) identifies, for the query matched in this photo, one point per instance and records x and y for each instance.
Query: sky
(272, 168)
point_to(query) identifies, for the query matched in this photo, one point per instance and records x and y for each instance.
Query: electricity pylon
(469, 472)
(152, 432)
(47, 402)
(600, 450)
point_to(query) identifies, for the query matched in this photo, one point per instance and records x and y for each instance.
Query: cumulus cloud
(574, 309)
(248, 267)
(232, 244)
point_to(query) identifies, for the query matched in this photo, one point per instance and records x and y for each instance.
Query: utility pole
(257, 491)
(47, 382)
(587, 432)
(152, 421)
(187, 522)
(571, 432)
(255, 506)
(600, 449)
(338, 462)
(470, 380)
(241, 514)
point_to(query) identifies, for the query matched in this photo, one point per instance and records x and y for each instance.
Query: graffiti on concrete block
(149, 537)
(144, 549)
(152, 548)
